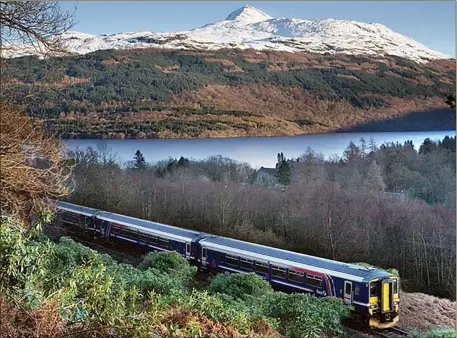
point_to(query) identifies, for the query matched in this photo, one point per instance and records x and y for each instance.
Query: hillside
(149, 93)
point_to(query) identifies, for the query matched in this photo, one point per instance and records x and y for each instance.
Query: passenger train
(372, 294)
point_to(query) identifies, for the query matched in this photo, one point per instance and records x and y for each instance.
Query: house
(266, 177)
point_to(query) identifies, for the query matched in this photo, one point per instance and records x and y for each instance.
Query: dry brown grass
(423, 311)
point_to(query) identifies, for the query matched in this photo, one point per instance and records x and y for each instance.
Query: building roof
(292, 259)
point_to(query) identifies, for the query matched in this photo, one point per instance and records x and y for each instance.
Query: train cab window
(357, 290)
(373, 289)
(246, 263)
(232, 260)
(296, 276)
(395, 286)
(204, 253)
(261, 267)
(278, 272)
(313, 281)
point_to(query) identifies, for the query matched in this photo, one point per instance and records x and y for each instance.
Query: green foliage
(305, 316)
(135, 78)
(172, 264)
(240, 286)
(438, 332)
(283, 173)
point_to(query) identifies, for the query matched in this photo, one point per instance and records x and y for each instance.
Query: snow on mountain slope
(249, 27)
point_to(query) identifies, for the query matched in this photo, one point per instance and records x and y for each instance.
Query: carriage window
(222, 257)
(178, 246)
(395, 286)
(154, 240)
(232, 260)
(296, 276)
(278, 272)
(357, 290)
(143, 237)
(245, 263)
(373, 289)
(313, 281)
(261, 267)
(163, 242)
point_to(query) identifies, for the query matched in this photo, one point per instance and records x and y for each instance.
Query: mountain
(249, 27)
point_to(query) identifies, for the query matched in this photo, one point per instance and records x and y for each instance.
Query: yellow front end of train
(384, 302)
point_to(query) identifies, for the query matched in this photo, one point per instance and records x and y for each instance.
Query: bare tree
(36, 24)
(32, 167)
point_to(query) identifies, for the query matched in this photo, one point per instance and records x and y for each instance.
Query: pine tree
(139, 160)
(352, 152)
(283, 174)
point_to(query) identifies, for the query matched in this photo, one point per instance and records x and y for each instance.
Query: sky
(429, 22)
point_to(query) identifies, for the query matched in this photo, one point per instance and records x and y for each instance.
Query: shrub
(170, 263)
(438, 332)
(303, 316)
(240, 286)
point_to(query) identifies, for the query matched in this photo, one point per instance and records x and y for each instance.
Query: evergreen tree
(450, 100)
(352, 152)
(183, 162)
(283, 174)
(139, 160)
(427, 147)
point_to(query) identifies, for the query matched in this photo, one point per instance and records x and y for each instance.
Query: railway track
(393, 332)
(358, 331)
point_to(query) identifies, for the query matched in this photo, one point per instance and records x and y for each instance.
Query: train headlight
(374, 306)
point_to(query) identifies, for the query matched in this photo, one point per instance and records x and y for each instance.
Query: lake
(257, 151)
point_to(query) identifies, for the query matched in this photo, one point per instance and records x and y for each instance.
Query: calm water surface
(257, 151)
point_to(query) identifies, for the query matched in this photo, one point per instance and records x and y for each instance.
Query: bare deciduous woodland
(336, 209)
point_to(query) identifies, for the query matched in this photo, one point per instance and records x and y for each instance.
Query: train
(372, 294)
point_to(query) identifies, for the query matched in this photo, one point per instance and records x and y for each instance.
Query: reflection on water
(258, 151)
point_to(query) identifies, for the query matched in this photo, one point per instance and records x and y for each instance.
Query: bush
(240, 286)
(172, 264)
(303, 316)
(438, 332)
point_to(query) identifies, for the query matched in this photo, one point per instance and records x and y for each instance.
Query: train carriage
(371, 293)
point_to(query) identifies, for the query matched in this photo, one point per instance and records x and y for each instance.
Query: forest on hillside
(148, 93)
(340, 209)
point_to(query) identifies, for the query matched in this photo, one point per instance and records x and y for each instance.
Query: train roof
(132, 222)
(76, 208)
(292, 259)
(158, 228)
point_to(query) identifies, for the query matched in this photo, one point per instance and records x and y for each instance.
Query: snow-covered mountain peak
(249, 27)
(249, 14)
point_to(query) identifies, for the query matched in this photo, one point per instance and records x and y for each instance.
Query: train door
(187, 250)
(347, 293)
(204, 254)
(387, 294)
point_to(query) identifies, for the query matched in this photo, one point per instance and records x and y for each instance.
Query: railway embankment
(421, 314)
